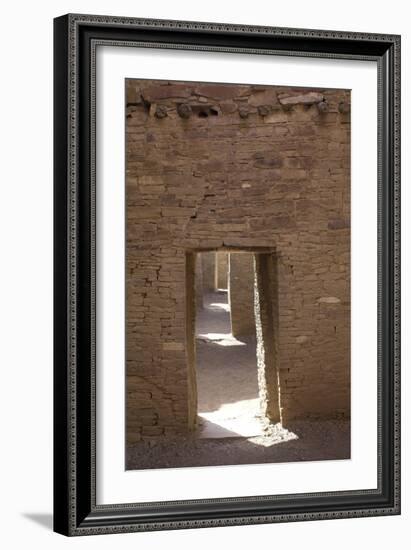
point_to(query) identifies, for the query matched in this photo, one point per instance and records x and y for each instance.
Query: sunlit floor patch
(273, 434)
(219, 306)
(220, 338)
(228, 422)
(240, 419)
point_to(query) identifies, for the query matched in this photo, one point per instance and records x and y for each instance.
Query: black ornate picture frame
(76, 38)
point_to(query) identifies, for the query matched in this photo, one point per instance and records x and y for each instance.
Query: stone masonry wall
(212, 166)
(241, 293)
(221, 270)
(208, 266)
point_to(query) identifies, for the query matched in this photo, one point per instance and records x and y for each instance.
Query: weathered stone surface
(339, 224)
(241, 293)
(267, 96)
(217, 91)
(267, 160)
(198, 282)
(322, 106)
(266, 302)
(133, 95)
(221, 270)
(282, 182)
(208, 260)
(344, 107)
(329, 300)
(306, 99)
(154, 93)
(160, 111)
(184, 110)
(264, 110)
(243, 112)
(173, 346)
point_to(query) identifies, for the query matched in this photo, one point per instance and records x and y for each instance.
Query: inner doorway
(228, 398)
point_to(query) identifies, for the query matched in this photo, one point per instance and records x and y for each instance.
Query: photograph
(226, 274)
(203, 257)
(237, 292)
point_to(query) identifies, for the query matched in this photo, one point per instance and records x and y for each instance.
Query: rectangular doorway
(228, 403)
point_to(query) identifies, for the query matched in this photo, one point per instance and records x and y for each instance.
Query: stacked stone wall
(211, 166)
(241, 293)
(221, 271)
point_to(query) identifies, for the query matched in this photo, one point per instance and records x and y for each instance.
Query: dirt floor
(231, 430)
(227, 387)
(325, 440)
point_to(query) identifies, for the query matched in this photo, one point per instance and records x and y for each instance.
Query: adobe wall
(210, 166)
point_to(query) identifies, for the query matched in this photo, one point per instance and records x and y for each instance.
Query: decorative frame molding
(75, 43)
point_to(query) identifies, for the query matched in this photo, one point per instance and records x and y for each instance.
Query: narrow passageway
(231, 428)
(228, 402)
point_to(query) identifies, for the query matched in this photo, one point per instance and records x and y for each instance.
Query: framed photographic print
(226, 274)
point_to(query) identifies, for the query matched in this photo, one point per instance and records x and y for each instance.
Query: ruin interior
(238, 262)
